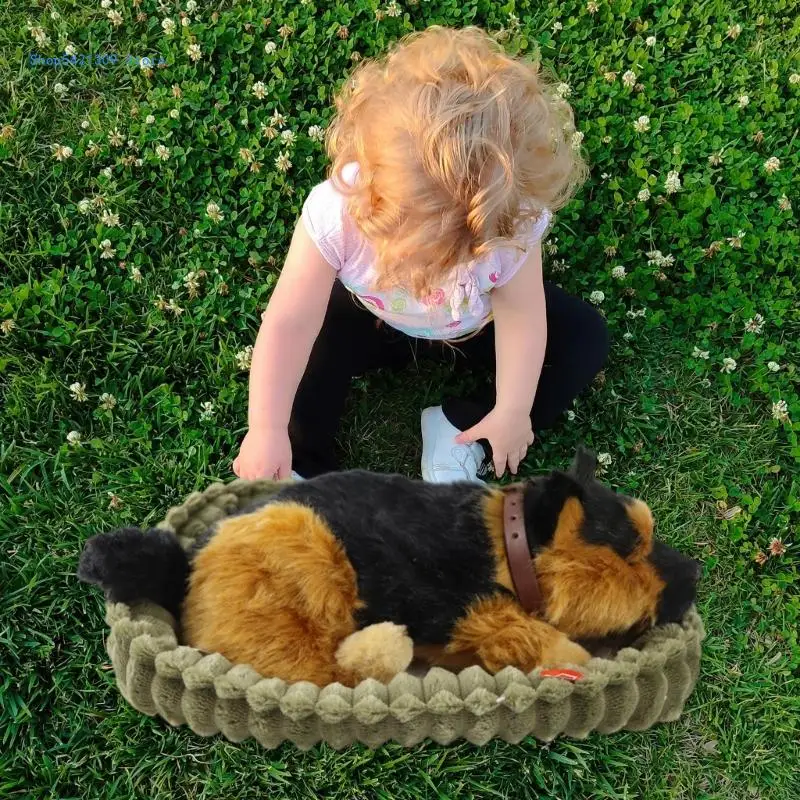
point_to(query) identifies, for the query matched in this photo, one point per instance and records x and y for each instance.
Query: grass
(709, 450)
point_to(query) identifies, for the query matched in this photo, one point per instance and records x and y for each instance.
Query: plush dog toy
(352, 574)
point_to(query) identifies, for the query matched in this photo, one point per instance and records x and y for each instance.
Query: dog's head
(601, 571)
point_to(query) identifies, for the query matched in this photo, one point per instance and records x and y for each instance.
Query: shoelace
(482, 466)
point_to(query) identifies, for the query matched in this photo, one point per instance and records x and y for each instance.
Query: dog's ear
(584, 465)
(544, 499)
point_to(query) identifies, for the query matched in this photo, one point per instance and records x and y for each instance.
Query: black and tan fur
(351, 574)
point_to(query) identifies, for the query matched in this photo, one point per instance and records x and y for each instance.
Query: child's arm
(288, 331)
(520, 323)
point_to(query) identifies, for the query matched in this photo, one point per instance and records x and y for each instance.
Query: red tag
(568, 674)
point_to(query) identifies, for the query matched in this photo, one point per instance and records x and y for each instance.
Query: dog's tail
(130, 564)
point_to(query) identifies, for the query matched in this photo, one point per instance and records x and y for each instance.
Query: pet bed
(637, 688)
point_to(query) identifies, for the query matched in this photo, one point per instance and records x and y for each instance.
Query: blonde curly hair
(457, 146)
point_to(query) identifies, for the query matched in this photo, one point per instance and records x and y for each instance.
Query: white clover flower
(105, 4)
(557, 26)
(282, 162)
(655, 258)
(107, 401)
(84, 205)
(563, 90)
(192, 284)
(107, 172)
(174, 307)
(260, 90)
(244, 358)
(277, 120)
(107, 248)
(577, 139)
(627, 336)
(288, 137)
(673, 182)
(571, 415)
(85, 124)
(592, 7)
(604, 459)
(61, 152)
(194, 52)
(715, 159)
(168, 26)
(59, 89)
(643, 195)
(642, 124)
(597, 297)
(246, 155)
(115, 138)
(70, 49)
(610, 250)
(734, 31)
(40, 35)
(650, 41)
(736, 241)
(728, 365)
(794, 79)
(191, 6)
(6, 326)
(609, 76)
(784, 203)
(755, 324)
(174, 113)
(270, 48)
(698, 353)
(631, 314)
(149, 119)
(109, 219)
(629, 78)
(618, 272)
(78, 391)
(74, 438)
(214, 213)
(115, 18)
(316, 133)
(771, 165)
(162, 151)
(773, 366)
(393, 9)
(780, 411)
(743, 100)
(136, 275)
(207, 411)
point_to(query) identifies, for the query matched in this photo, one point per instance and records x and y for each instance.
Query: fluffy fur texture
(350, 575)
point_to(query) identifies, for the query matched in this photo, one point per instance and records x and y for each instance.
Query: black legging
(353, 341)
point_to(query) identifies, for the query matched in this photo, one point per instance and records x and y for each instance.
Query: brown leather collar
(520, 560)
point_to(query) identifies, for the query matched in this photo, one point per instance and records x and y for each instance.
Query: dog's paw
(564, 651)
(378, 651)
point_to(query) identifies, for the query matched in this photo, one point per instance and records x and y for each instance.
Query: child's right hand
(265, 453)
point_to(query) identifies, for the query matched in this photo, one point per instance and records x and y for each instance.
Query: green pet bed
(635, 689)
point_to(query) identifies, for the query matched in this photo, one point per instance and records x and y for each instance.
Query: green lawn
(713, 449)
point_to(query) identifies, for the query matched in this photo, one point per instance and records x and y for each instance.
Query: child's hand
(265, 453)
(508, 432)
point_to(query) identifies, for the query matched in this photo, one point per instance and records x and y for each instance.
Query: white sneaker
(444, 461)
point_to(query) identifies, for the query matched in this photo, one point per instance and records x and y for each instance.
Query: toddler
(448, 159)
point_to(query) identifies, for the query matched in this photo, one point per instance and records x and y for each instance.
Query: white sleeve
(323, 217)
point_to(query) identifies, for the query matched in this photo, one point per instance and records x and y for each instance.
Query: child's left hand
(508, 432)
